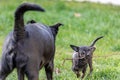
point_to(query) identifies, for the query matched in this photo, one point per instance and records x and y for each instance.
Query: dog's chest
(82, 63)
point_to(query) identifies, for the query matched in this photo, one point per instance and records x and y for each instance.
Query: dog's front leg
(49, 70)
(90, 66)
(20, 74)
(77, 74)
(84, 71)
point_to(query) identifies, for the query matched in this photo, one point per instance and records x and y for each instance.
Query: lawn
(83, 22)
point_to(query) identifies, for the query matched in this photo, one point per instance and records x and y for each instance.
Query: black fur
(29, 48)
(83, 56)
(54, 28)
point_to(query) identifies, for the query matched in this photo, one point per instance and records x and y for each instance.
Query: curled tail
(93, 43)
(19, 31)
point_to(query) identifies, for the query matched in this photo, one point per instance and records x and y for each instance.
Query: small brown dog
(83, 56)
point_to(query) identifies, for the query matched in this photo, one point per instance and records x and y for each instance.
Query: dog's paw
(78, 75)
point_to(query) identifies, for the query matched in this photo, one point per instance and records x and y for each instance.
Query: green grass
(95, 20)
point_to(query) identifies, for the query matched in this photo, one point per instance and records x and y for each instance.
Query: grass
(95, 20)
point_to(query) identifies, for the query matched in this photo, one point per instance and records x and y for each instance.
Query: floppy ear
(75, 48)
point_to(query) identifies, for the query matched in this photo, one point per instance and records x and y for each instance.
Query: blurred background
(114, 2)
(84, 21)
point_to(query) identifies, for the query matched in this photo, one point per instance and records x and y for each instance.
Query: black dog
(83, 56)
(29, 48)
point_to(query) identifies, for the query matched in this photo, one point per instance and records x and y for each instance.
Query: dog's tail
(93, 43)
(19, 31)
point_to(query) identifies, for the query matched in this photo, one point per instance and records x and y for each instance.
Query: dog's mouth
(82, 57)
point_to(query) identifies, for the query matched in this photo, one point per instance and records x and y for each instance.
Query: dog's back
(40, 45)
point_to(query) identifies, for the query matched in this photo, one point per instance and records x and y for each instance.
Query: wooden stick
(93, 57)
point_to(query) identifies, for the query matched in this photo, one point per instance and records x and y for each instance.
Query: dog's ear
(92, 49)
(55, 28)
(75, 48)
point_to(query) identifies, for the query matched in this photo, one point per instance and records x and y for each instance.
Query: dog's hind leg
(90, 66)
(84, 71)
(49, 70)
(20, 73)
(3, 74)
(32, 74)
(2, 77)
(4, 71)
